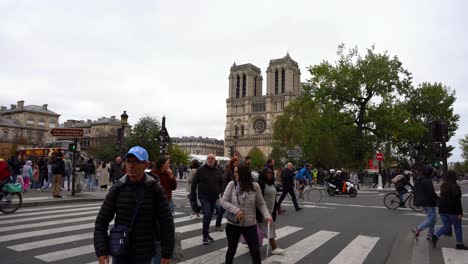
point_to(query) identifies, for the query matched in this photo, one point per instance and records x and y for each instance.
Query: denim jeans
(400, 195)
(250, 234)
(13, 178)
(207, 206)
(91, 180)
(157, 256)
(429, 221)
(219, 217)
(128, 260)
(448, 220)
(67, 177)
(171, 205)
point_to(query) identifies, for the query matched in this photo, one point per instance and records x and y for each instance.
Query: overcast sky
(88, 59)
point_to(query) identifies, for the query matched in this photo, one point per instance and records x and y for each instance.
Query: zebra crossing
(64, 234)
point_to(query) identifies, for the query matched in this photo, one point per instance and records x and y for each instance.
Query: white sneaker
(278, 251)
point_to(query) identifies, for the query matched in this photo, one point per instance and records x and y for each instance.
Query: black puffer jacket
(424, 193)
(153, 222)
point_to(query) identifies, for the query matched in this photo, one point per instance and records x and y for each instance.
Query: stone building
(30, 122)
(97, 132)
(250, 113)
(200, 145)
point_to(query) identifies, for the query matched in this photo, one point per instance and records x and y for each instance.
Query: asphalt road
(336, 230)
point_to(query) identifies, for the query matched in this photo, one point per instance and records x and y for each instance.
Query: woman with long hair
(166, 177)
(266, 180)
(228, 177)
(426, 197)
(450, 210)
(242, 197)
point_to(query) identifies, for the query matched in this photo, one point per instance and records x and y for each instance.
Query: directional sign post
(74, 133)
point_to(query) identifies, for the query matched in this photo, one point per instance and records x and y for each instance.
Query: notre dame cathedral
(250, 114)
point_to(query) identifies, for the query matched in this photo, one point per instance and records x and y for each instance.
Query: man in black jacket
(58, 170)
(153, 222)
(209, 184)
(288, 186)
(425, 196)
(15, 166)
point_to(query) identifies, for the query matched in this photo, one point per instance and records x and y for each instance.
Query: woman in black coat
(450, 210)
(425, 196)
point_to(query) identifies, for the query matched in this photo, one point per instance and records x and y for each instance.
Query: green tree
(358, 85)
(178, 155)
(464, 146)
(107, 151)
(258, 158)
(144, 134)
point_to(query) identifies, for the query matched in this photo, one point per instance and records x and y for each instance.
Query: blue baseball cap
(139, 153)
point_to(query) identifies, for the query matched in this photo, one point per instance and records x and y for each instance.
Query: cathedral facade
(250, 113)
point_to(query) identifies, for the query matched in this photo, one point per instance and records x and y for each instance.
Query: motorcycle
(350, 189)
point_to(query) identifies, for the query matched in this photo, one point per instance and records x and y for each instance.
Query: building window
(30, 121)
(15, 135)
(41, 122)
(236, 131)
(237, 86)
(5, 135)
(51, 123)
(255, 86)
(276, 82)
(244, 85)
(283, 81)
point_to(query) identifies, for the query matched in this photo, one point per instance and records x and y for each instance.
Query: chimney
(4, 108)
(88, 121)
(13, 106)
(44, 106)
(20, 104)
(112, 118)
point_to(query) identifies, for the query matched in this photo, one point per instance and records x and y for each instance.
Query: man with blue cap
(140, 205)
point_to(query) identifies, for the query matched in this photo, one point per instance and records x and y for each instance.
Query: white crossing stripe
(302, 248)
(78, 251)
(219, 255)
(51, 242)
(47, 232)
(188, 228)
(21, 210)
(35, 218)
(48, 213)
(454, 256)
(183, 219)
(48, 223)
(195, 241)
(67, 253)
(356, 251)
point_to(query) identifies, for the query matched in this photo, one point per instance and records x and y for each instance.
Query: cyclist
(401, 181)
(303, 176)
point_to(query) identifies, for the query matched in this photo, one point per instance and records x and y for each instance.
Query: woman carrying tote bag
(241, 197)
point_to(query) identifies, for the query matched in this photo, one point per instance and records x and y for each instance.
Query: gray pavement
(336, 230)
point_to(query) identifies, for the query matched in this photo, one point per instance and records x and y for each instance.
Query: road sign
(379, 156)
(67, 132)
(294, 153)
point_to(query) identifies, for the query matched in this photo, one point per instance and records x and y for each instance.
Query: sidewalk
(40, 198)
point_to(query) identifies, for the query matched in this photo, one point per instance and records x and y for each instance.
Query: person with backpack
(142, 215)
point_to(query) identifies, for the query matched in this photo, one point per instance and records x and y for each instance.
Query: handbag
(119, 235)
(231, 217)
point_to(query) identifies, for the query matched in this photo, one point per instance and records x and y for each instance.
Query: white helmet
(332, 170)
(338, 172)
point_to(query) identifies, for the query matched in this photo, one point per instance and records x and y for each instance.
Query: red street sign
(67, 132)
(379, 156)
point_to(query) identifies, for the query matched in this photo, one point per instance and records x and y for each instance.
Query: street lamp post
(123, 122)
(163, 138)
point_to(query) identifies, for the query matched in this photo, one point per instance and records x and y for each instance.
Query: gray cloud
(88, 59)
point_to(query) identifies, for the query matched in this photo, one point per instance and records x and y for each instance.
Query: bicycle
(310, 193)
(10, 197)
(391, 201)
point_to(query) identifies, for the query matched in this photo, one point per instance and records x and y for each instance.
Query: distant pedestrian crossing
(64, 234)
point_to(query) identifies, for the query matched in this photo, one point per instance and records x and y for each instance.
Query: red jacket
(4, 170)
(168, 184)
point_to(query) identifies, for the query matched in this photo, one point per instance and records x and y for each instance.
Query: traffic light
(72, 147)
